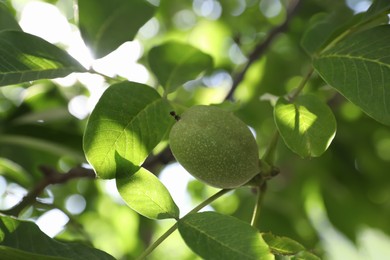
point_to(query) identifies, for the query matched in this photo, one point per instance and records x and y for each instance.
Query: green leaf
(378, 7)
(144, 193)
(129, 120)
(333, 27)
(40, 144)
(175, 63)
(307, 126)
(282, 245)
(324, 28)
(215, 236)
(305, 255)
(29, 239)
(15, 172)
(359, 68)
(7, 20)
(12, 253)
(106, 24)
(25, 57)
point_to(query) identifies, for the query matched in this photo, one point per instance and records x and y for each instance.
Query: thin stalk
(259, 200)
(174, 226)
(269, 155)
(301, 85)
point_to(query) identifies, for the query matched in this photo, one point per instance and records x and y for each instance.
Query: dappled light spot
(150, 29)
(184, 19)
(270, 8)
(211, 9)
(75, 204)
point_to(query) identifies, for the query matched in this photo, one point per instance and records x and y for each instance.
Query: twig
(51, 176)
(260, 49)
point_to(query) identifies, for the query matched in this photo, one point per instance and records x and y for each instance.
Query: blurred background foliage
(337, 205)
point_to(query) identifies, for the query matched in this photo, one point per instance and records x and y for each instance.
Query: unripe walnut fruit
(215, 147)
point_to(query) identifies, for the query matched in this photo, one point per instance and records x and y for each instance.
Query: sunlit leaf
(129, 120)
(176, 63)
(7, 20)
(144, 193)
(282, 245)
(106, 24)
(359, 68)
(28, 240)
(25, 57)
(307, 126)
(215, 236)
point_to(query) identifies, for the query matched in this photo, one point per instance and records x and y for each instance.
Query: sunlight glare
(52, 222)
(77, 106)
(176, 179)
(123, 62)
(46, 21)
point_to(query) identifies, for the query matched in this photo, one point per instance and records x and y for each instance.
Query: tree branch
(51, 176)
(260, 49)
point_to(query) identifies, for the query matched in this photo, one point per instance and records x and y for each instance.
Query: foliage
(291, 70)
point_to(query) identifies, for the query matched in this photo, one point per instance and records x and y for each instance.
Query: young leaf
(129, 120)
(282, 245)
(215, 236)
(175, 63)
(106, 24)
(29, 239)
(25, 57)
(359, 68)
(144, 193)
(307, 126)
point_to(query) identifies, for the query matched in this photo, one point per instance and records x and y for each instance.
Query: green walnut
(215, 147)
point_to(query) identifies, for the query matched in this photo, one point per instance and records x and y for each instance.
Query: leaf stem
(301, 85)
(174, 226)
(259, 200)
(269, 155)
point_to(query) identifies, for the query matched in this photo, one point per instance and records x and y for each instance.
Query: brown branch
(152, 163)
(51, 176)
(260, 49)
